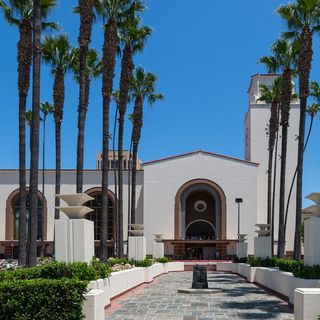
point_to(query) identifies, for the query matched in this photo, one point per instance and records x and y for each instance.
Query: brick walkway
(238, 300)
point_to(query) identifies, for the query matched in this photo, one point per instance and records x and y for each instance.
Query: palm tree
(133, 39)
(93, 70)
(34, 136)
(19, 14)
(46, 109)
(58, 52)
(303, 20)
(142, 88)
(86, 16)
(111, 11)
(312, 110)
(271, 96)
(283, 59)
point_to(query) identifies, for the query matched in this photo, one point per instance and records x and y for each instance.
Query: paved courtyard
(238, 300)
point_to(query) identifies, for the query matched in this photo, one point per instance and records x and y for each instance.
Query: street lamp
(238, 201)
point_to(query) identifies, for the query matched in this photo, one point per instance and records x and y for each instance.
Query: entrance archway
(200, 197)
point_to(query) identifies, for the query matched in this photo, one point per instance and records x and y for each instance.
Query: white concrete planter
(174, 266)
(225, 266)
(301, 283)
(152, 272)
(102, 291)
(248, 272)
(235, 267)
(306, 304)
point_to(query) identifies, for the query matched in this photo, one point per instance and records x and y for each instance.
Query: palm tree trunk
(58, 166)
(115, 179)
(43, 182)
(136, 132)
(274, 186)
(126, 72)
(34, 140)
(129, 190)
(295, 173)
(58, 99)
(286, 92)
(85, 8)
(272, 133)
(24, 64)
(304, 66)
(109, 62)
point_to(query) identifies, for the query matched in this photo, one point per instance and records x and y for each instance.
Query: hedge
(59, 270)
(42, 299)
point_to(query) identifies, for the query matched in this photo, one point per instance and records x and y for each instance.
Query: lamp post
(238, 201)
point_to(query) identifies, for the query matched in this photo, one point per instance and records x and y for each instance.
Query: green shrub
(59, 270)
(144, 263)
(288, 265)
(239, 260)
(113, 261)
(42, 299)
(258, 262)
(307, 272)
(162, 260)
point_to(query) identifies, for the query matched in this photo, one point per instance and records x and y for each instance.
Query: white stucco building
(190, 198)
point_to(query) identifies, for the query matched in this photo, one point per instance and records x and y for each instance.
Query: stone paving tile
(237, 300)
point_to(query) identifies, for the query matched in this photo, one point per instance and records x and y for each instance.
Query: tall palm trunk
(295, 173)
(109, 62)
(24, 65)
(58, 98)
(286, 92)
(136, 132)
(43, 182)
(304, 66)
(34, 139)
(115, 178)
(126, 71)
(85, 8)
(272, 135)
(274, 183)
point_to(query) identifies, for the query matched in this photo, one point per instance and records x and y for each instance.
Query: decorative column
(262, 243)
(312, 232)
(158, 246)
(137, 249)
(74, 236)
(242, 246)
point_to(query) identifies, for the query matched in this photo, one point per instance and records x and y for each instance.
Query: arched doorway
(95, 216)
(12, 221)
(200, 219)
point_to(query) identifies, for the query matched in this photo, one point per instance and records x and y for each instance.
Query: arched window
(16, 211)
(95, 215)
(13, 215)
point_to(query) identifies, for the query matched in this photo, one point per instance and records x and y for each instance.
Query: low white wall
(306, 304)
(282, 282)
(101, 291)
(225, 266)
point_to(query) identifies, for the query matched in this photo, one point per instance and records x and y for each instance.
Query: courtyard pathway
(160, 301)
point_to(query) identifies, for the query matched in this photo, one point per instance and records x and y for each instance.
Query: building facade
(189, 198)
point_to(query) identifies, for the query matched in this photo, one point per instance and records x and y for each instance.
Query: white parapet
(137, 248)
(158, 249)
(262, 247)
(311, 241)
(306, 304)
(93, 306)
(74, 240)
(242, 250)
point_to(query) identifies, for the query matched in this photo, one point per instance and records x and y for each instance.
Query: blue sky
(204, 53)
